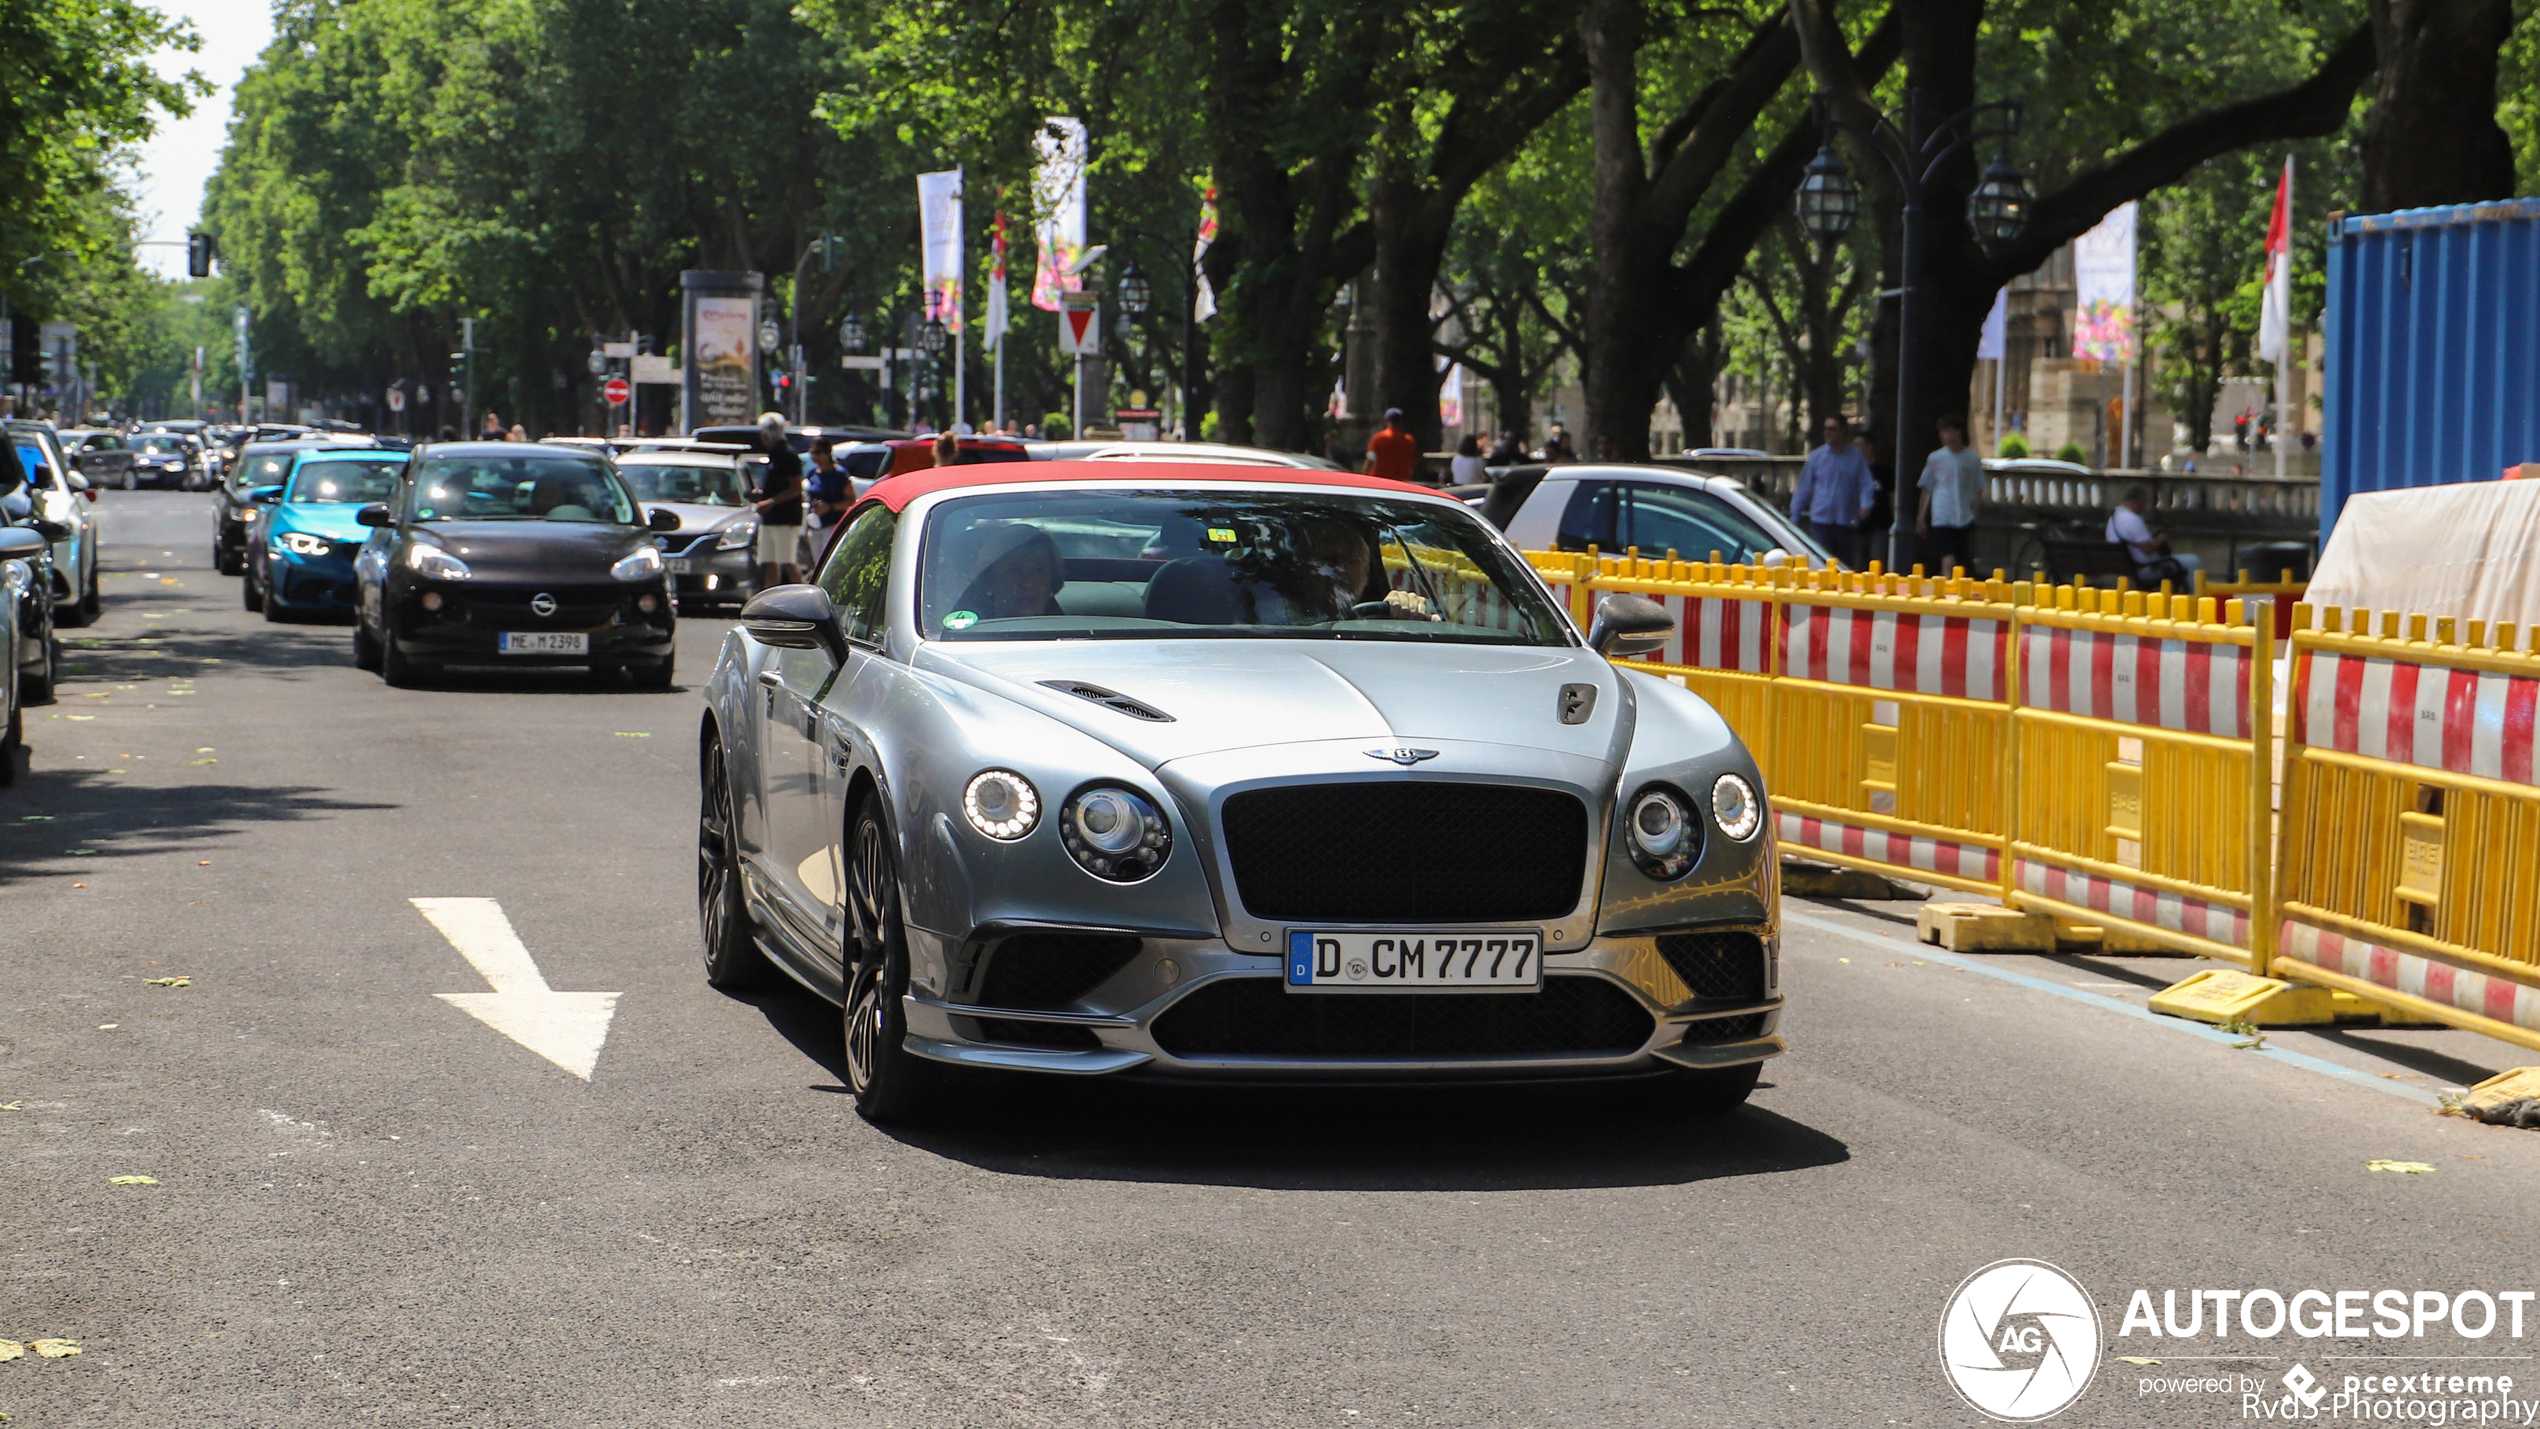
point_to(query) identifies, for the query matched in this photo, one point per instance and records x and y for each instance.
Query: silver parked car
(1224, 773)
(712, 555)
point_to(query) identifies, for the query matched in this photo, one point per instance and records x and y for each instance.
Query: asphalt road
(372, 1207)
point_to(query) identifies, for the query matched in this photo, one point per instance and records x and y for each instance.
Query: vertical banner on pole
(939, 258)
(2103, 280)
(1993, 345)
(1204, 297)
(1058, 208)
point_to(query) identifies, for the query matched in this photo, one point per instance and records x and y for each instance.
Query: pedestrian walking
(1468, 468)
(1952, 495)
(1393, 452)
(1511, 450)
(493, 429)
(1556, 448)
(1835, 493)
(1882, 515)
(779, 506)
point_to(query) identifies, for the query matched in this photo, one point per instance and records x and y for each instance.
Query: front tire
(733, 962)
(890, 1083)
(395, 668)
(654, 677)
(249, 593)
(365, 646)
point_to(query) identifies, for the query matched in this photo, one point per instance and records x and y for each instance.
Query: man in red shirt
(1394, 452)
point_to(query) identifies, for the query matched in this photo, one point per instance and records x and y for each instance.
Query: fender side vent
(1110, 700)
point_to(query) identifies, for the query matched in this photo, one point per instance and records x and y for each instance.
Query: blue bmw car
(300, 560)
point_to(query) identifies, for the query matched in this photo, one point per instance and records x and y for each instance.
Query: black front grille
(1052, 969)
(1716, 964)
(1054, 1036)
(577, 607)
(1726, 1029)
(1582, 1016)
(1407, 851)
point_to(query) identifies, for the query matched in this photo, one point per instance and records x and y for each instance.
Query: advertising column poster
(719, 351)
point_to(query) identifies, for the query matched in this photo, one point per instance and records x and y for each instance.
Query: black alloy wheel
(733, 963)
(37, 689)
(891, 1083)
(250, 594)
(394, 667)
(365, 645)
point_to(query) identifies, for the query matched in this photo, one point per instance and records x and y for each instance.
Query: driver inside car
(1015, 573)
(1337, 560)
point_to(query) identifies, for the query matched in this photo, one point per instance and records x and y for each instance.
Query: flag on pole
(1203, 296)
(996, 318)
(2275, 315)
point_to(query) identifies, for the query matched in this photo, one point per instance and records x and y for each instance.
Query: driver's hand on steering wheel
(1409, 603)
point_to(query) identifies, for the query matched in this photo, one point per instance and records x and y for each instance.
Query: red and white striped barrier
(2495, 998)
(1958, 860)
(1715, 633)
(2151, 907)
(1881, 650)
(2432, 716)
(2194, 686)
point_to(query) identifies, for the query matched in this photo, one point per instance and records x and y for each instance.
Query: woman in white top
(1466, 469)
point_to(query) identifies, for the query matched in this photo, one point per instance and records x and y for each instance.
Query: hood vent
(1110, 700)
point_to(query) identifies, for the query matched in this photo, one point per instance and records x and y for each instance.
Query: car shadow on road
(61, 821)
(1432, 1138)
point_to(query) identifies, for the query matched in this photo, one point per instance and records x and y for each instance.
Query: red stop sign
(616, 390)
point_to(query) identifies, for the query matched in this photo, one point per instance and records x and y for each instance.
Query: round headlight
(1115, 833)
(1001, 804)
(1663, 837)
(1736, 807)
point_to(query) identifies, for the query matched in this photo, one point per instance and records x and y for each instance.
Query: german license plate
(544, 642)
(1426, 961)
(678, 565)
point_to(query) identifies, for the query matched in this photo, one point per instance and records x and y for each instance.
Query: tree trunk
(1411, 227)
(2432, 137)
(1620, 387)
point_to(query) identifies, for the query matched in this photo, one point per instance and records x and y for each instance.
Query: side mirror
(266, 495)
(79, 482)
(795, 617)
(1629, 625)
(49, 530)
(17, 543)
(660, 520)
(375, 514)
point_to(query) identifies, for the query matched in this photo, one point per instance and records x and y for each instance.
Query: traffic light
(198, 255)
(458, 371)
(26, 351)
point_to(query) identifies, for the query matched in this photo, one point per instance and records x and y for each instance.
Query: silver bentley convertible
(1220, 773)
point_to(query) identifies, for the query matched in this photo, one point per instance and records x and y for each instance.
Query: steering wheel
(1370, 610)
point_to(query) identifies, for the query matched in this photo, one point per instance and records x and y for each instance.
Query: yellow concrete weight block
(2224, 995)
(1984, 928)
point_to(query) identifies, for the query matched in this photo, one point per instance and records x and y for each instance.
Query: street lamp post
(931, 340)
(1997, 211)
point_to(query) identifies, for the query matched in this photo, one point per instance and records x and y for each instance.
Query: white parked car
(62, 495)
(1656, 508)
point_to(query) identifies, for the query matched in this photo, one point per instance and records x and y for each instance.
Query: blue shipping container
(2433, 349)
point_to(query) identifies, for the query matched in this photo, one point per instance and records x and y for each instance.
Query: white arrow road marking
(566, 1028)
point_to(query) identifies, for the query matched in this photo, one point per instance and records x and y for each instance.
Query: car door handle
(771, 679)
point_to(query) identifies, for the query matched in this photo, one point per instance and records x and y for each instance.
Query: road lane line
(2302, 1060)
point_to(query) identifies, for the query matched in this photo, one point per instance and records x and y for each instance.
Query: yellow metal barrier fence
(2410, 861)
(2144, 766)
(2110, 779)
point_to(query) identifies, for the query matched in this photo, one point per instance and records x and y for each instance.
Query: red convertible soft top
(898, 491)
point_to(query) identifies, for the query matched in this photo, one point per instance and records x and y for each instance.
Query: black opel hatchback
(497, 553)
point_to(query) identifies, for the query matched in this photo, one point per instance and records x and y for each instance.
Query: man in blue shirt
(1835, 493)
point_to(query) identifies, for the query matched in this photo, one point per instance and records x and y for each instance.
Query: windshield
(1251, 565)
(536, 487)
(337, 480)
(163, 446)
(266, 468)
(697, 484)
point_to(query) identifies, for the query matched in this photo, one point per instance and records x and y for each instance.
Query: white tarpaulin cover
(2470, 551)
